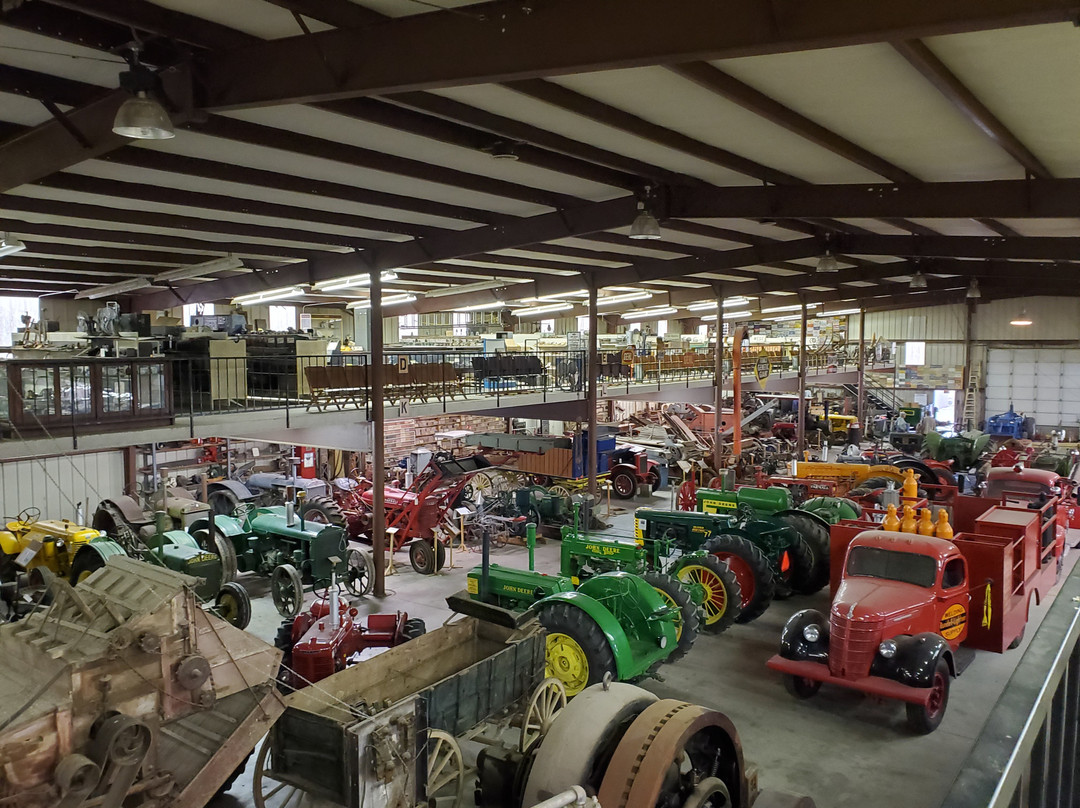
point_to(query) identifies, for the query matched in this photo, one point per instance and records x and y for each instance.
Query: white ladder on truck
(970, 400)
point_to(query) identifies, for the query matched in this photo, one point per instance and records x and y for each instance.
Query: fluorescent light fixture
(627, 298)
(389, 300)
(10, 245)
(973, 291)
(121, 288)
(708, 318)
(840, 313)
(353, 281)
(776, 309)
(784, 318)
(737, 315)
(483, 307)
(1021, 319)
(536, 311)
(481, 286)
(645, 314)
(701, 306)
(180, 273)
(268, 295)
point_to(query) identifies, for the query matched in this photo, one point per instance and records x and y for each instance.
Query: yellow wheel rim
(715, 602)
(84, 575)
(228, 608)
(670, 601)
(566, 661)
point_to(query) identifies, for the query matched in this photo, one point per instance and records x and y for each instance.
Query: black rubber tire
(241, 601)
(85, 563)
(880, 482)
(944, 476)
(283, 642)
(422, 557)
(222, 501)
(654, 481)
(223, 547)
(624, 485)
(816, 536)
(755, 565)
(721, 621)
(799, 577)
(801, 687)
(414, 627)
(323, 509)
(687, 626)
(919, 718)
(440, 556)
(562, 618)
(1019, 639)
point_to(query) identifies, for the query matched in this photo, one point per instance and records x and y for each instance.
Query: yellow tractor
(28, 543)
(850, 475)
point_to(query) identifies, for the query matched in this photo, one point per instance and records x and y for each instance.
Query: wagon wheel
(559, 491)
(546, 702)
(287, 590)
(360, 572)
(446, 766)
(269, 792)
(687, 500)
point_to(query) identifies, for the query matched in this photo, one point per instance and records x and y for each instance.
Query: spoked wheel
(713, 587)
(687, 499)
(360, 572)
(547, 701)
(559, 491)
(287, 590)
(446, 766)
(269, 792)
(668, 756)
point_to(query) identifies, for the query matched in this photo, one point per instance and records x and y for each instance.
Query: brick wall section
(404, 435)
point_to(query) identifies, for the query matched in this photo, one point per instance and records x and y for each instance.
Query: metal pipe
(860, 405)
(575, 795)
(801, 445)
(530, 540)
(378, 449)
(593, 371)
(719, 374)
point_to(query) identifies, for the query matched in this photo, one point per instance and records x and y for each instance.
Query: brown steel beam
(75, 267)
(47, 248)
(1041, 248)
(935, 71)
(1011, 199)
(507, 40)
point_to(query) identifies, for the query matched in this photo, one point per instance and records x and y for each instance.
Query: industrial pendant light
(645, 225)
(918, 281)
(141, 117)
(827, 263)
(973, 292)
(1021, 319)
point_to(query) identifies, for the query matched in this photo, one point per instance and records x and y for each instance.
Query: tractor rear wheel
(223, 547)
(714, 587)
(796, 570)
(85, 565)
(816, 536)
(425, 559)
(233, 605)
(223, 502)
(757, 583)
(577, 652)
(624, 484)
(925, 720)
(414, 627)
(323, 510)
(677, 596)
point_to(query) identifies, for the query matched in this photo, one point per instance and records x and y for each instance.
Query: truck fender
(241, 491)
(228, 526)
(607, 622)
(9, 545)
(916, 657)
(793, 645)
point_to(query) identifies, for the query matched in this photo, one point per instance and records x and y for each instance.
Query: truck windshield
(1000, 489)
(910, 568)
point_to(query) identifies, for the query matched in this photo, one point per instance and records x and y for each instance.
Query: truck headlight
(887, 649)
(812, 632)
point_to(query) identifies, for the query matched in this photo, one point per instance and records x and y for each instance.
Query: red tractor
(415, 514)
(629, 467)
(906, 602)
(316, 644)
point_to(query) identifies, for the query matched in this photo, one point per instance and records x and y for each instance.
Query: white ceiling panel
(957, 227)
(870, 95)
(503, 101)
(756, 228)
(631, 248)
(1044, 227)
(877, 226)
(662, 97)
(556, 259)
(39, 53)
(254, 17)
(21, 110)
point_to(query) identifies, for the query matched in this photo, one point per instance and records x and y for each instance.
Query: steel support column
(860, 406)
(593, 370)
(378, 448)
(718, 426)
(801, 435)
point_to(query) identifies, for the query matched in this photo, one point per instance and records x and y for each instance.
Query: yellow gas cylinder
(944, 529)
(926, 523)
(911, 486)
(891, 521)
(908, 523)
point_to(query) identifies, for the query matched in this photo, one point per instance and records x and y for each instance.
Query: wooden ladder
(970, 400)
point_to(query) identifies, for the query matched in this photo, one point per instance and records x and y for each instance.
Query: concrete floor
(841, 748)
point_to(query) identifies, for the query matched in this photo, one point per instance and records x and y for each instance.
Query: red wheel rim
(743, 574)
(937, 696)
(785, 566)
(624, 485)
(687, 496)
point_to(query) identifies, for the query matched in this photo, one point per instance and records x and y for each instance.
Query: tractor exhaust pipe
(335, 616)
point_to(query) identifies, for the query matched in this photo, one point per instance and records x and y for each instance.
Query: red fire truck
(905, 604)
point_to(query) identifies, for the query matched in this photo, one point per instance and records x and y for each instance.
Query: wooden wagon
(384, 732)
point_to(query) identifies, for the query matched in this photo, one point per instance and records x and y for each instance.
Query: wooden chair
(318, 383)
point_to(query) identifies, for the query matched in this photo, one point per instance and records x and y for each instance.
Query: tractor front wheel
(713, 587)
(816, 536)
(925, 720)
(414, 627)
(360, 572)
(687, 499)
(677, 596)
(425, 559)
(233, 605)
(796, 569)
(577, 652)
(757, 583)
(287, 590)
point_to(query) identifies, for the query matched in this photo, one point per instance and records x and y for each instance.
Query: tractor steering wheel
(29, 515)
(242, 509)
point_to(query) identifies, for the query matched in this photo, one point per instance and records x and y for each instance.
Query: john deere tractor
(29, 545)
(279, 542)
(613, 623)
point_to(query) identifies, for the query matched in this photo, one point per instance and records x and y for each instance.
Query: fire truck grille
(852, 645)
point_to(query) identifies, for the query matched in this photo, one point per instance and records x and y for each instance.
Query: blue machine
(1007, 425)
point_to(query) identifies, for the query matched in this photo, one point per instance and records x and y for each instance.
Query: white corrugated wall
(56, 484)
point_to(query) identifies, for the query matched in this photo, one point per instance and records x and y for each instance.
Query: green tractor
(768, 559)
(278, 542)
(700, 586)
(811, 521)
(613, 623)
